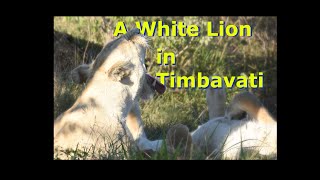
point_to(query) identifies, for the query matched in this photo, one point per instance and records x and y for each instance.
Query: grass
(79, 39)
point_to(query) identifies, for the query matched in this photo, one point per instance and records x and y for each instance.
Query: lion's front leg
(134, 122)
(135, 127)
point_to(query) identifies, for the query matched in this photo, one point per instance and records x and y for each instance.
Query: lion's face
(122, 60)
(150, 86)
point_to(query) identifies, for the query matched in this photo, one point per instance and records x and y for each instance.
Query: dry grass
(79, 39)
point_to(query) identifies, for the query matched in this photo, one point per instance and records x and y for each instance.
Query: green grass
(79, 39)
(160, 113)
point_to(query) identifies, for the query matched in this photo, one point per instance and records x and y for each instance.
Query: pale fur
(116, 81)
(108, 108)
(223, 136)
(216, 101)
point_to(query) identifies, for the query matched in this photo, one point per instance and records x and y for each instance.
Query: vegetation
(78, 40)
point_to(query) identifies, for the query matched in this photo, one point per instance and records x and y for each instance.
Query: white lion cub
(107, 113)
(225, 137)
(228, 132)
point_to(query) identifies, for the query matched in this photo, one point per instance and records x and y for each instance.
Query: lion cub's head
(122, 61)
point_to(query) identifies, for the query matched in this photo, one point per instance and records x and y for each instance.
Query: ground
(78, 40)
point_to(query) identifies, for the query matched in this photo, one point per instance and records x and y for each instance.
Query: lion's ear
(81, 73)
(120, 70)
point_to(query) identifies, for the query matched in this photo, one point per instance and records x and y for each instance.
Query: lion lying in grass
(107, 115)
(228, 134)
